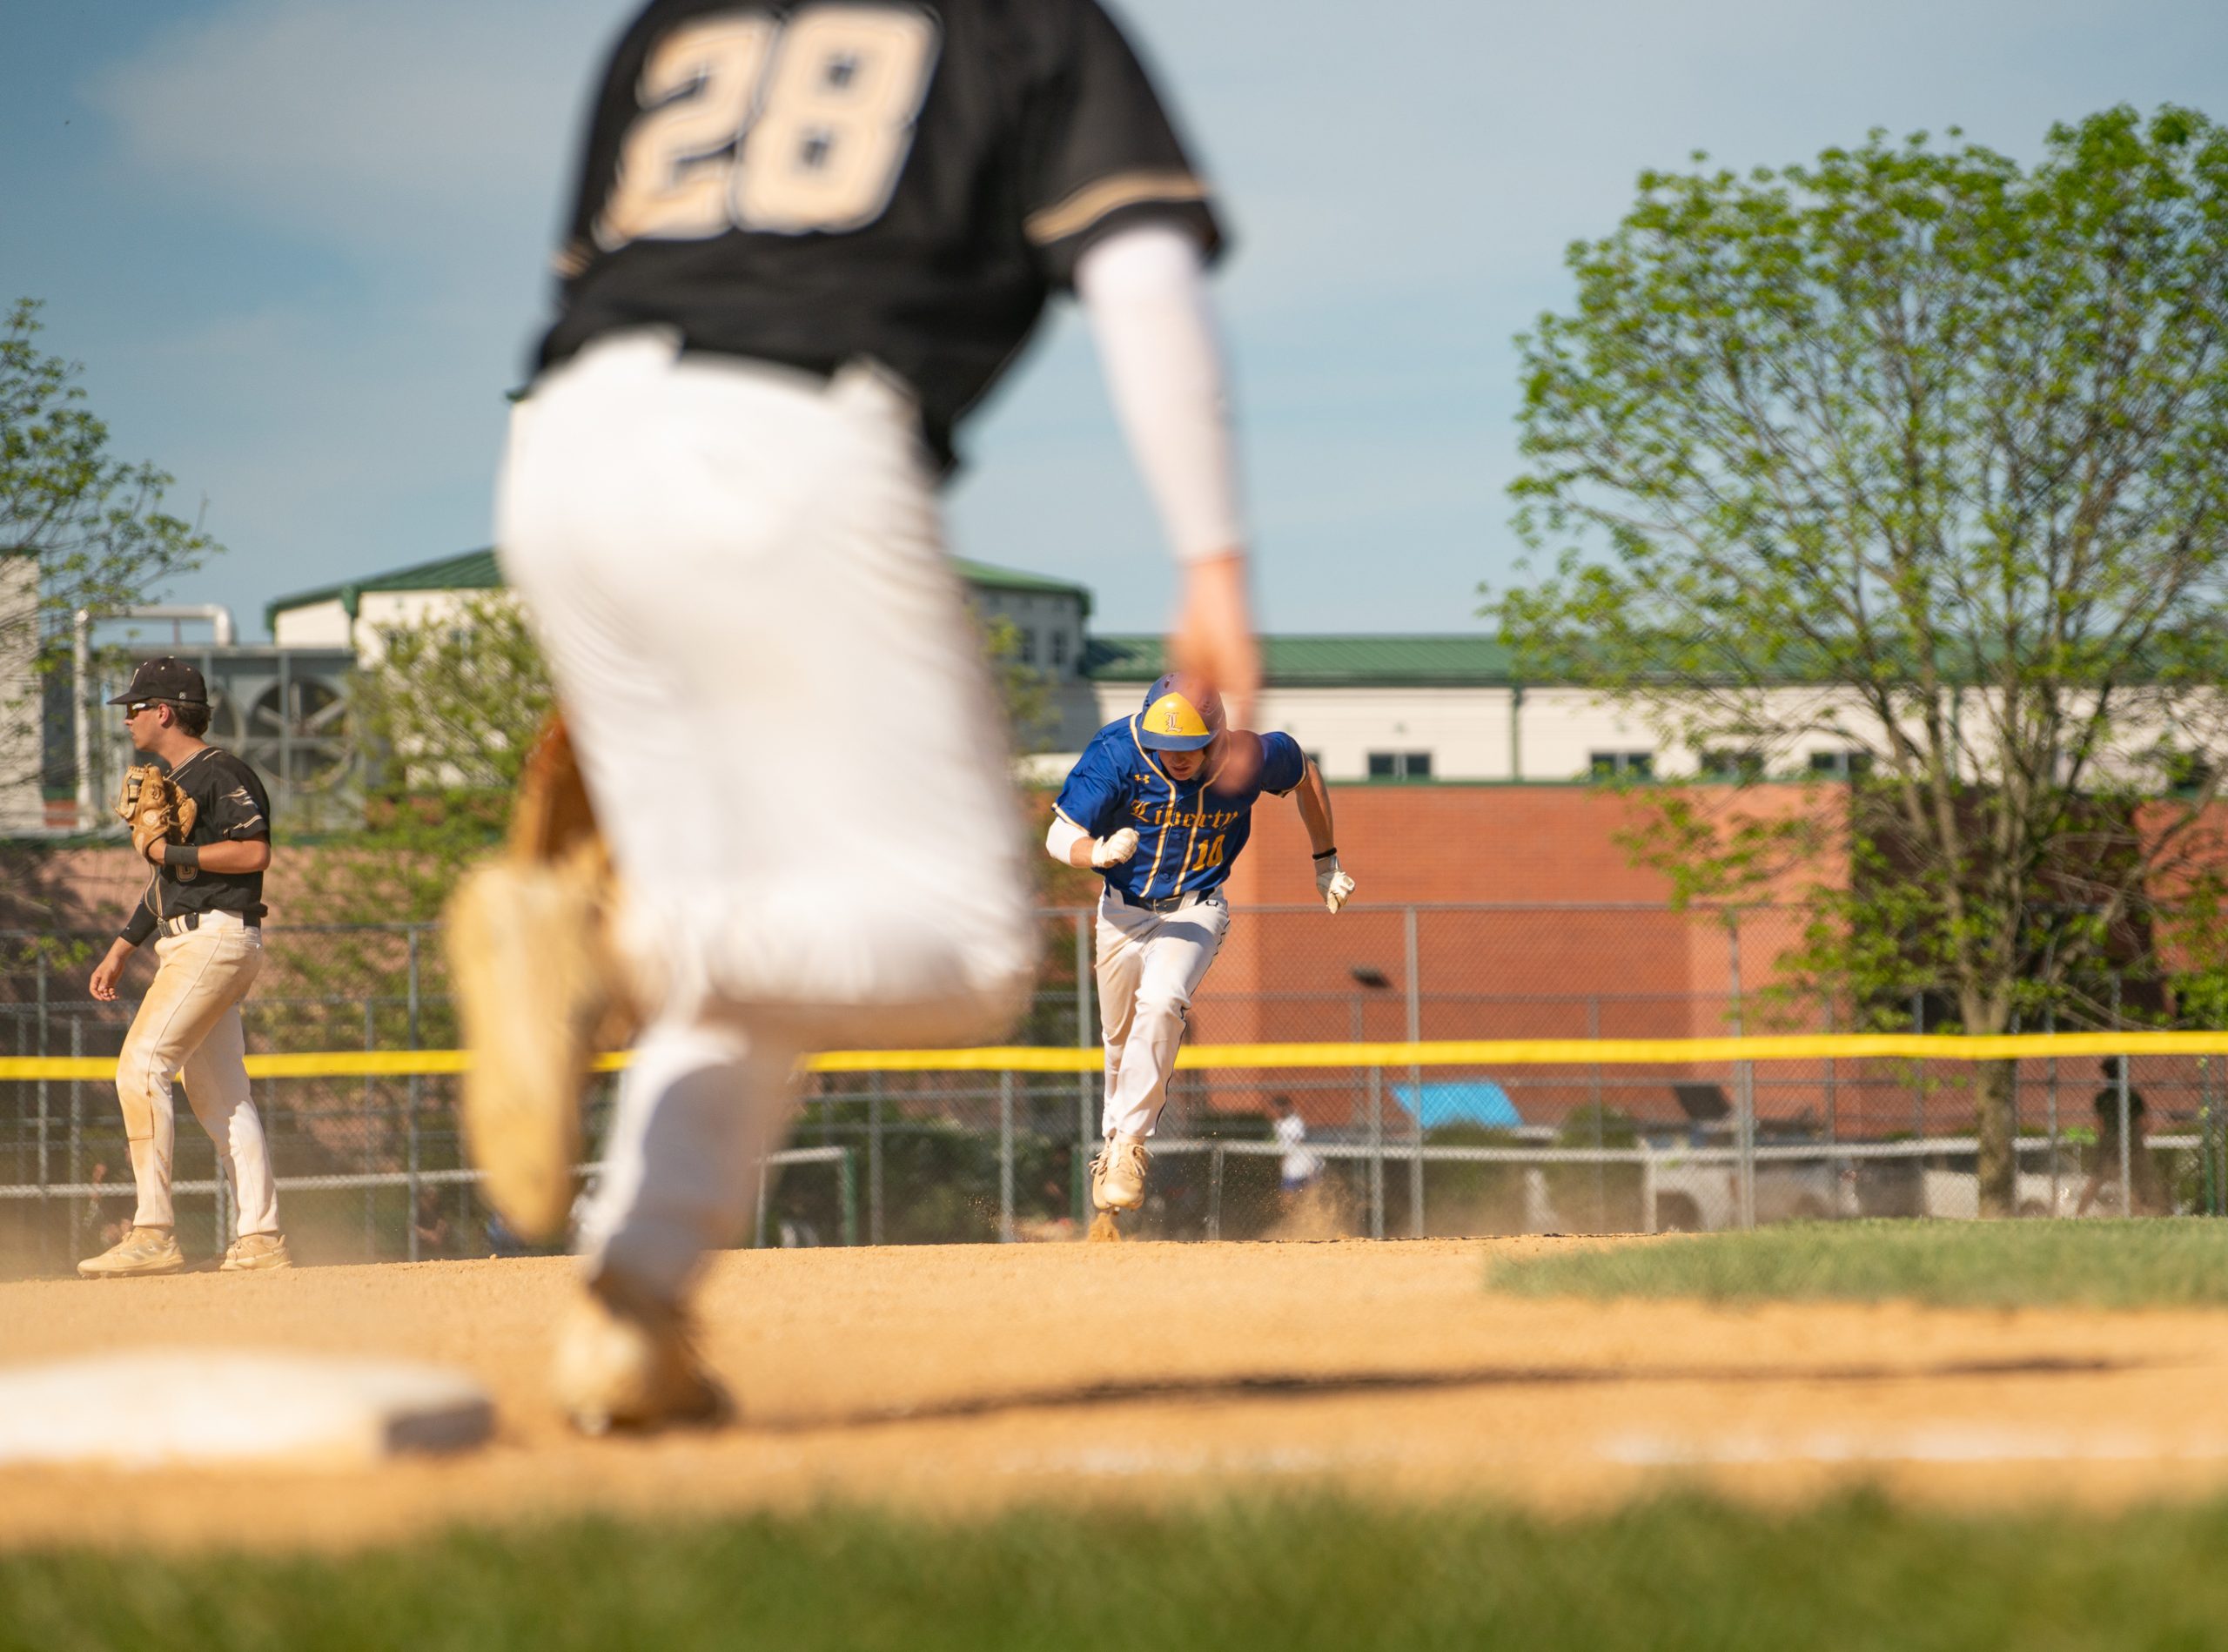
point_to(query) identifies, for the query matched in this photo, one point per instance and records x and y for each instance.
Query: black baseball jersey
(813, 184)
(232, 807)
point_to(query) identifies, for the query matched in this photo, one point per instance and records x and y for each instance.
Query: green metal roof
(476, 571)
(470, 571)
(1304, 661)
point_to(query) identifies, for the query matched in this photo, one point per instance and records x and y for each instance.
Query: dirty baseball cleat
(1118, 1174)
(255, 1253)
(142, 1252)
(532, 981)
(629, 1366)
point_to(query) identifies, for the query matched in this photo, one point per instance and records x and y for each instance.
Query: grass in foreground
(1320, 1574)
(2171, 1263)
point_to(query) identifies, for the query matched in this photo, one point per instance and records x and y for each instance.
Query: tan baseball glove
(538, 988)
(154, 808)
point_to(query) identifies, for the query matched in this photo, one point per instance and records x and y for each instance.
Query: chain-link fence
(370, 1168)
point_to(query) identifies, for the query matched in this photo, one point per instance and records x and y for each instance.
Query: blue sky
(298, 245)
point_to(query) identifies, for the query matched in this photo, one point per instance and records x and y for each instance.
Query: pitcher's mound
(168, 1407)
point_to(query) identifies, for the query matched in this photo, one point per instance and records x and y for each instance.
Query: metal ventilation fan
(296, 733)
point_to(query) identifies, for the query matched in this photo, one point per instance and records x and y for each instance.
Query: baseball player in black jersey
(205, 905)
(807, 239)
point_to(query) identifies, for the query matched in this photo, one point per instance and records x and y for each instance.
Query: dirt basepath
(969, 1377)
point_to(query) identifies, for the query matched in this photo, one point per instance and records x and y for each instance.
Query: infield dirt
(964, 1378)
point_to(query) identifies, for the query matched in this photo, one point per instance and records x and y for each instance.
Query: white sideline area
(151, 1408)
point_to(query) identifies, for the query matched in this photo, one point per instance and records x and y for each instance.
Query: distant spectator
(2147, 1186)
(111, 1228)
(431, 1223)
(1301, 1168)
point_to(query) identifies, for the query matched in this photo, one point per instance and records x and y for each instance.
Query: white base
(170, 1408)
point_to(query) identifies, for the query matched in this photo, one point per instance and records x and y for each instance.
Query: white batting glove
(1112, 851)
(1334, 885)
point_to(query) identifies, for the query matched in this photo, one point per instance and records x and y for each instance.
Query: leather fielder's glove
(153, 807)
(1334, 885)
(1113, 849)
(537, 987)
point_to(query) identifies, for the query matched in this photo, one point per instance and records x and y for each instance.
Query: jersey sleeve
(1100, 151)
(1092, 795)
(237, 811)
(1282, 763)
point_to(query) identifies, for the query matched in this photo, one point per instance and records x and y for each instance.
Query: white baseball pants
(1149, 966)
(782, 712)
(190, 1019)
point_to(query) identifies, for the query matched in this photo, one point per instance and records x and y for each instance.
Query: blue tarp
(1469, 1101)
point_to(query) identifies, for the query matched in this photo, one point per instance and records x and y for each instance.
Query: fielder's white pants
(1150, 967)
(783, 714)
(190, 1019)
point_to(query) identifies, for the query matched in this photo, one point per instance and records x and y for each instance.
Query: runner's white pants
(1149, 966)
(190, 1019)
(782, 712)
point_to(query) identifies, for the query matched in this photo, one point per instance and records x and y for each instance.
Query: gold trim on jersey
(1095, 200)
(1160, 841)
(571, 258)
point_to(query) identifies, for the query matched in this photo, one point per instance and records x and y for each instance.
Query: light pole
(1371, 979)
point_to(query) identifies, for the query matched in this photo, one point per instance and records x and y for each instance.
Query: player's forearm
(1067, 843)
(252, 855)
(1314, 800)
(1145, 291)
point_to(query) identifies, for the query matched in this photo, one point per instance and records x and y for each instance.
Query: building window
(2187, 773)
(1840, 765)
(1740, 765)
(1028, 647)
(1621, 765)
(1399, 765)
(1059, 647)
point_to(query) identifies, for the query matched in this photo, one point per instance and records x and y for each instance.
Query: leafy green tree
(1922, 454)
(91, 527)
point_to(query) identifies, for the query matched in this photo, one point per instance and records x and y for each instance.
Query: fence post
(1600, 1169)
(2049, 1024)
(411, 1101)
(1214, 1192)
(1086, 1126)
(874, 1158)
(1377, 1152)
(847, 1192)
(2127, 1147)
(1005, 1158)
(1744, 1085)
(1415, 1083)
(77, 1134)
(370, 1159)
(1918, 1071)
(45, 1222)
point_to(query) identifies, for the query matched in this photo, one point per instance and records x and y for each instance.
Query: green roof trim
(991, 577)
(1391, 660)
(471, 571)
(476, 571)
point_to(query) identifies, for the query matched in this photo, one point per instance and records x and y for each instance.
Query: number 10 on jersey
(783, 127)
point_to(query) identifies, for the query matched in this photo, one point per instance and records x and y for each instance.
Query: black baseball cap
(164, 679)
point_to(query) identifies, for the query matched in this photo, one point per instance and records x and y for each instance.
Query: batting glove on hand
(1334, 885)
(1112, 851)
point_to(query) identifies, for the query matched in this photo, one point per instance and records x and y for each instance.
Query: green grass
(1291, 1577)
(2167, 1263)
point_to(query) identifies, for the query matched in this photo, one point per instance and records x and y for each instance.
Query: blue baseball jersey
(1189, 832)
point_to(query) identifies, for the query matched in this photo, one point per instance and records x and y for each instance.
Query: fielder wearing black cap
(204, 909)
(169, 679)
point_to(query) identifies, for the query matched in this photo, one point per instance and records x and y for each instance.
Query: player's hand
(1213, 642)
(1114, 849)
(106, 973)
(1332, 884)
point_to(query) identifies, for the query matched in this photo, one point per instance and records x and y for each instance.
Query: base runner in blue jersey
(1160, 805)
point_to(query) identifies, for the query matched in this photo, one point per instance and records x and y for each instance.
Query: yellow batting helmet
(1180, 716)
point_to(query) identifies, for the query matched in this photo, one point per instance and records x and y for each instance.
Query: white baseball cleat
(629, 1366)
(142, 1252)
(1118, 1174)
(256, 1254)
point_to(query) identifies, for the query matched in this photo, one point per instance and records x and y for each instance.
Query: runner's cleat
(630, 1367)
(142, 1252)
(1118, 1174)
(256, 1254)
